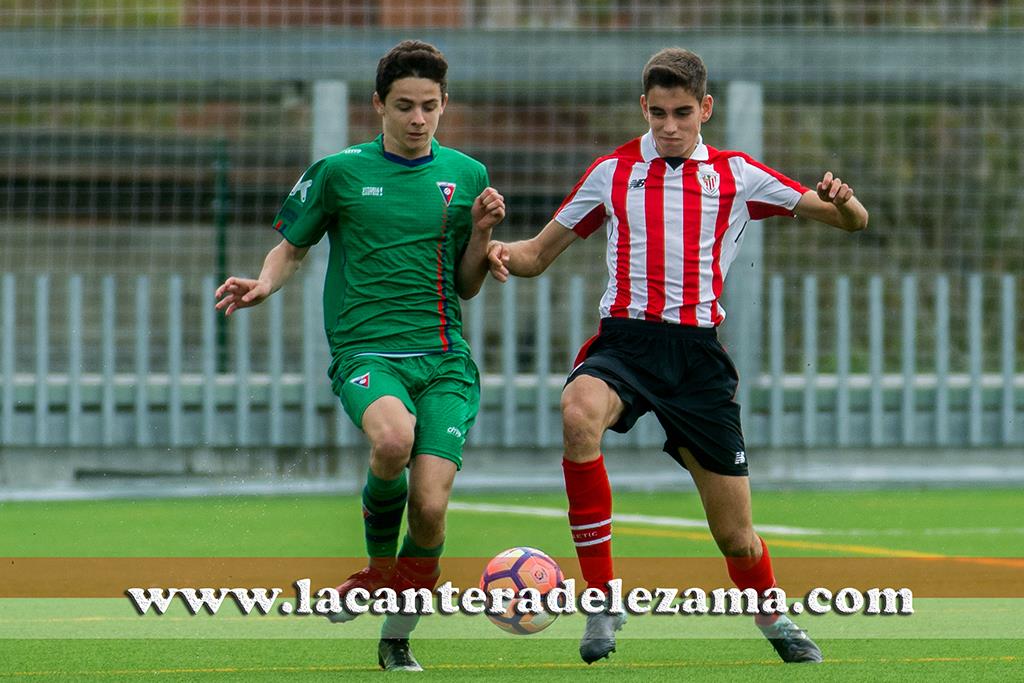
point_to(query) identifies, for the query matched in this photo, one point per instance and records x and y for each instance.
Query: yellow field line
(507, 666)
(780, 542)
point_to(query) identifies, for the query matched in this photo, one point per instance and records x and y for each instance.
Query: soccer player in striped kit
(674, 210)
(408, 222)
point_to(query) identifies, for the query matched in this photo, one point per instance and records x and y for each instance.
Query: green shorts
(441, 390)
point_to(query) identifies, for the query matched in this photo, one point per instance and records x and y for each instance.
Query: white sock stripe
(583, 544)
(581, 527)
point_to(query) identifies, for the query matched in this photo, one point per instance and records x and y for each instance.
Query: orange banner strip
(100, 577)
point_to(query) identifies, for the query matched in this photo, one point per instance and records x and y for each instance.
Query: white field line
(685, 523)
(649, 520)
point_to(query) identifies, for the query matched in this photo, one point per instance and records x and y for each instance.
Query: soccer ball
(517, 569)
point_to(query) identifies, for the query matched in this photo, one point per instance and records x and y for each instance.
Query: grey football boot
(393, 654)
(791, 642)
(599, 636)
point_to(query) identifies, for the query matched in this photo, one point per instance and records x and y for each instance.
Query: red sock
(756, 574)
(590, 519)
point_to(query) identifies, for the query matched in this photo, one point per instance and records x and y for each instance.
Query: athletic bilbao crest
(362, 381)
(447, 192)
(709, 180)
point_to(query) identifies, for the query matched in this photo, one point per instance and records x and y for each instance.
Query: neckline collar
(398, 159)
(650, 152)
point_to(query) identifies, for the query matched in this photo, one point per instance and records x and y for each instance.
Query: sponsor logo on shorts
(352, 150)
(362, 381)
(741, 458)
(455, 431)
(373, 191)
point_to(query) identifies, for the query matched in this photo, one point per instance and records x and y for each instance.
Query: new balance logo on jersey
(373, 191)
(301, 187)
(447, 192)
(741, 458)
(709, 181)
(637, 183)
(362, 381)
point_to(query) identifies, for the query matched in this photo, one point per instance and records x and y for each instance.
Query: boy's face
(410, 115)
(675, 116)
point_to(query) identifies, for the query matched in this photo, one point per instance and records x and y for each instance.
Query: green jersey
(397, 231)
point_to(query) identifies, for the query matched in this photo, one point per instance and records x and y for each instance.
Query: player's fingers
(498, 270)
(500, 274)
(827, 178)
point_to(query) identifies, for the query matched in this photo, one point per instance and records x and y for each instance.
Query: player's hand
(498, 255)
(488, 209)
(237, 292)
(833, 190)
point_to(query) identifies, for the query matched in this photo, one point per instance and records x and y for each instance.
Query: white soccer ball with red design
(518, 569)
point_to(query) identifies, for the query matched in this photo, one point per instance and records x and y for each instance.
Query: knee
(581, 422)
(390, 450)
(738, 543)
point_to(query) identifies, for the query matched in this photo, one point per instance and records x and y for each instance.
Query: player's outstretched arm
(529, 258)
(281, 263)
(832, 202)
(488, 210)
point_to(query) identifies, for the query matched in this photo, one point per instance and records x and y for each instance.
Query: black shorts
(684, 375)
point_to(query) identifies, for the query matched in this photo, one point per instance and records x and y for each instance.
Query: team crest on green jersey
(447, 191)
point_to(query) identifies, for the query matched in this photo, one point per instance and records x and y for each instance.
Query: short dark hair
(675, 67)
(411, 58)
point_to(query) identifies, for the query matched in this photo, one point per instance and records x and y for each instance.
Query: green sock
(422, 566)
(383, 507)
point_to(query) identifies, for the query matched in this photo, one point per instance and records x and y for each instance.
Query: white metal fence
(822, 383)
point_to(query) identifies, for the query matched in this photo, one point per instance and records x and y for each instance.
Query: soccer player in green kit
(408, 222)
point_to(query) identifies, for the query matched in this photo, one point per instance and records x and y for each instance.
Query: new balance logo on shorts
(362, 381)
(741, 458)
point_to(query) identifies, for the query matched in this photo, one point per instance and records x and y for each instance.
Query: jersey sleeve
(768, 192)
(584, 210)
(483, 181)
(307, 212)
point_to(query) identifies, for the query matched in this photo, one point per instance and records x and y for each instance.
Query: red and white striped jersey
(672, 233)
